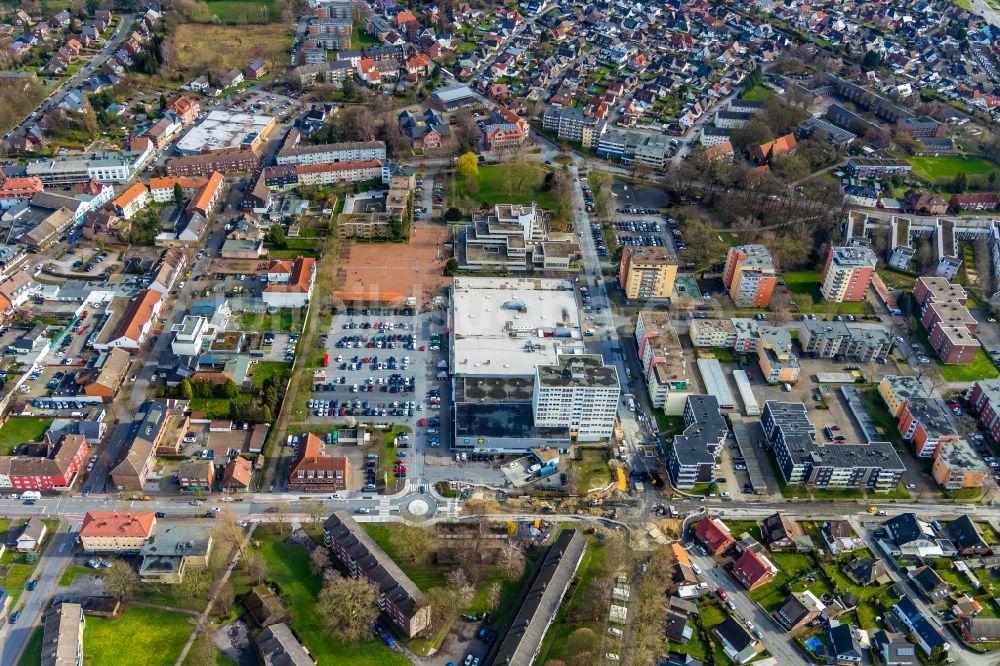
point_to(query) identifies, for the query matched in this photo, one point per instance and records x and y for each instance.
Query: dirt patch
(373, 272)
(300, 538)
(221, 47)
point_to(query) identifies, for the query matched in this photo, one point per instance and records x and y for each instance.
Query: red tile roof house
(54, 471)
(714, 534)
(754, 570)
(314, 471)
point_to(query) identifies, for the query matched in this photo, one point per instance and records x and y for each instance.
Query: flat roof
(453, 93)
(715, 382)
(220, 130)
(508, 326)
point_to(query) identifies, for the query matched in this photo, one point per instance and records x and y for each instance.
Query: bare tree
(411, 543)
(255, 567)
(348, 606)
(319, 560)
(121, 580)
(314, 509)
(512, 561)
(225, 600)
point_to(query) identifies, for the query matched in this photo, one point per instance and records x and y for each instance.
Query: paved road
(14, 637)
(983, 9)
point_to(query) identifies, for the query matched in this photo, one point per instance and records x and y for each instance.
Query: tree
(231, 390)
(120, 580)
(468, 166)
(493, 595)
(713, 488)
(265, 414)
(314, 509)
(255, 567)
(411, 543)
(453, 215)
(872, 60)
(178, 194)
(163, 101)
(319, 560)
(512, 562)
(451, 267)
(185, 389)
(348, 606)
(276, 237)
(396, 228)
(960, 183)
(225, 599)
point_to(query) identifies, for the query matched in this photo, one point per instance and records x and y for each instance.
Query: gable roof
(777, 528)
(138, 314)
(751, 568)
(115, 524)
(965, 533)
(714, 533)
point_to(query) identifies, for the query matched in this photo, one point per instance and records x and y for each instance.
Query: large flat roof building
(750, 276)
(226, 130)
(847, 274)
(691, 460)
(580, 393)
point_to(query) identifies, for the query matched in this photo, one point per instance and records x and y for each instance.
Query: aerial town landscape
(387, 332)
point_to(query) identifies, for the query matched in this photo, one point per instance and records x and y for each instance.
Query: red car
(423, 347)
(722, 593)
(835, 427)
(422, 422)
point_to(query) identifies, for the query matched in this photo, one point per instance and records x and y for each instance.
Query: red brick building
(714, 535)
(314, 471)
(753, 570)
(53, 471)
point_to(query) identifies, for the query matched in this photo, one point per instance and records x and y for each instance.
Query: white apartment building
(580, 393)
(188, 336)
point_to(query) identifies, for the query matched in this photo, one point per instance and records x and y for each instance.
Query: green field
(72, 572)
(591, 470)
(288, 566)
(216, 408)
(758, 94)
(32, 655)
(932, 168)
(263, 370)
(243, 11)
(156, 634)
(285, 319)
(20, 430)
(493, 188)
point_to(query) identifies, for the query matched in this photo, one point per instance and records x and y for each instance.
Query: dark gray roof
(965, 533)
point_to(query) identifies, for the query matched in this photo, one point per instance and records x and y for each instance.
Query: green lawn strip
(263, 370)
(288, 567)
(990, 535)
(19, 430)
(156, 634)
(72, 572)
(556, 643)
(216, 408)
(757, 94)
(981, 368)
(771, 595)
(32, 655)
(387, 456)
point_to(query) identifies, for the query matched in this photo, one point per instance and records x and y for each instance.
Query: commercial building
(107, 375)
(104, 167)
(226, 130)
(749, 275)
(662, 358)
(501, 330)
(873, 465)
(399, 597)
(328, 153)
(691, 460)
(579, 393)
(845, 340)
(189, 335)
(62, 635)
(523, 640)
(157, 427)
(847, 273)
(647, 273)
(513, 237)
(195, 475)
(115, 532)
(453, 98)
(313, 470)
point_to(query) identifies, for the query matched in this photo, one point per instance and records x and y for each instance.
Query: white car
(190, 439)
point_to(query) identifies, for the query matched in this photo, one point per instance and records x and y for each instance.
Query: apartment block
(957, 465)
(399, 597)
(691, 460)
(926, 422)
(845, 340)
(985, 397)
(647, 273)
(951, 328)
(802, 460)
(749, 275)
(712, 333)
(847, 273)
(580, 393)
(662, 358)
(896, 390)
(116, 532)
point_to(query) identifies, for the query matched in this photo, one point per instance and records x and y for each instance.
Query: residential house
(979, 629)
(754, 569)
(866, 571)
(314, 471)
(894, 649)
(967, 537)
(764, 153)
(277, 645)
(737, 643)
(798, 610)
(256, 69)
(844, 647)
(62, 635)
(236, 475)
(115, 532)
(714, 535)
(779, 532)
(290, 283)
(929, 583)
(912, 537)
(196, 475)
(31, 535)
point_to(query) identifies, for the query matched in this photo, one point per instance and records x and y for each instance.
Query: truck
(31, 494)
(631, 403)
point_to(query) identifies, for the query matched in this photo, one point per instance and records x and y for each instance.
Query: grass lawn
(201, 46)
(990, 535)
(156, 634)
(216, 408)
(233, 11)
(556, 645)
(288, 567)
(807, 284)
(361, 39)
(895, 279)
(425, 576)
(758, 94)
(20, 430)
(771, 595)
(932, 168)
(32, 655)
(285, 319)
(495, 187)
(669, 425)
(263, 370)
(738, 527)
(981, 368)
(793, 564)
(591, 470)
(72, 572)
